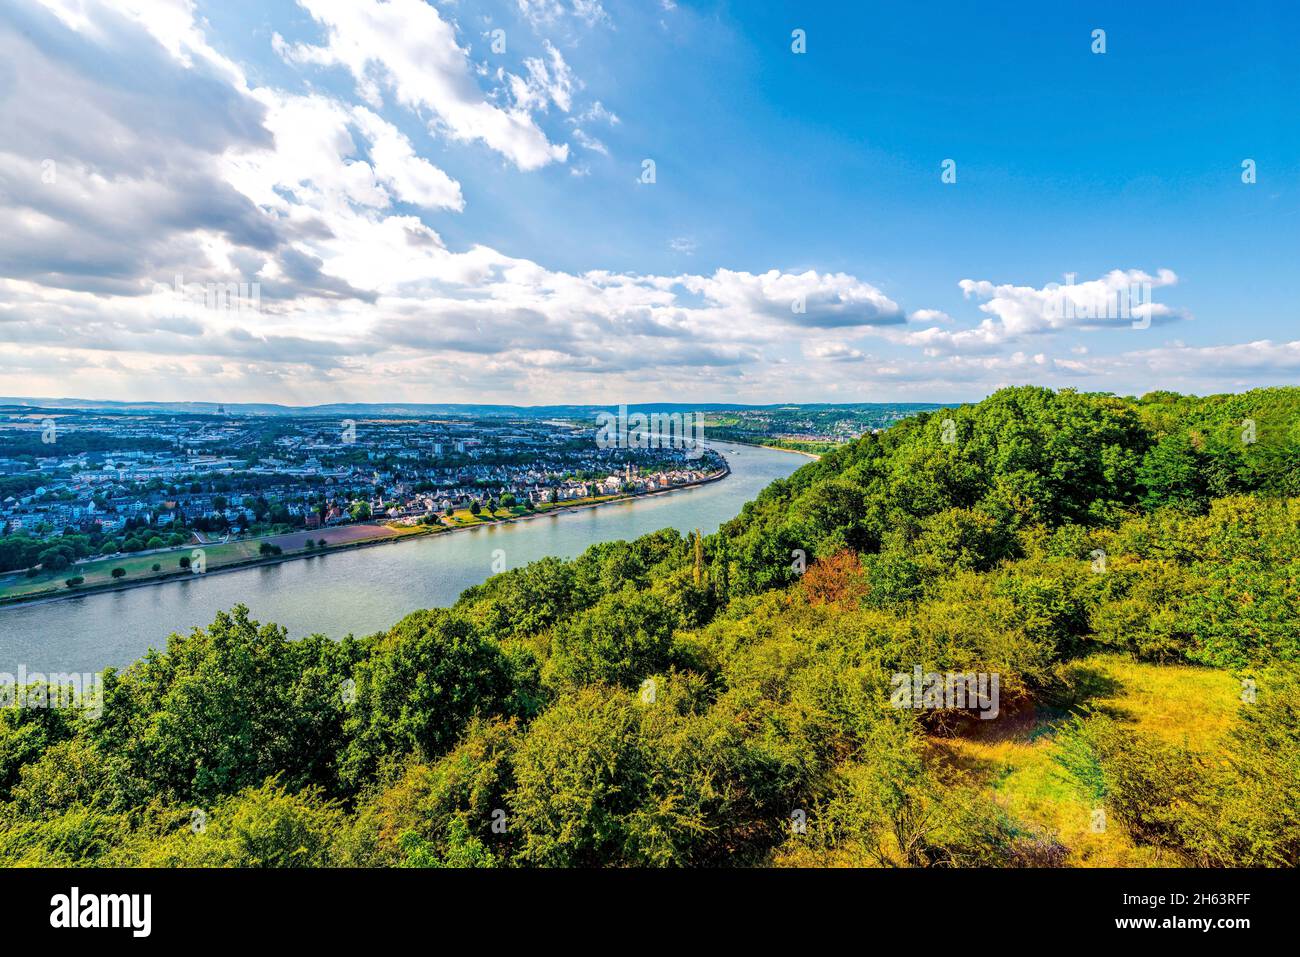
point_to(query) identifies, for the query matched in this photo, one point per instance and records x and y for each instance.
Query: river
(362, 590)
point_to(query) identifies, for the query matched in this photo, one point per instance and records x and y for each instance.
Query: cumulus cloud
(144, 156)
(406, 48)
(106, 176)
(1115, 299)
(830, 300)
(1120, 299)
(834, 352)
(936, 316)
(547, 81)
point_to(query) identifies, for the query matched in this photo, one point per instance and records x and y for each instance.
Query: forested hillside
(1129, 569)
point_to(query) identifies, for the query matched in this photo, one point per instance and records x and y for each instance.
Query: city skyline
(305, 203)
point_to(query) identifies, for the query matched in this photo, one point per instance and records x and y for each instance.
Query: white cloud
(409, 177)
(547, 12)
(1121, 299)
(541, 12)
(1024, 310)
(596, 113)
(590, 11)
(548, 81)
(834, 352)
(590, 142)
(930, 315)
(406, 47)
(1249, 360)
(171, 22)
(361, 297)
(830, 300)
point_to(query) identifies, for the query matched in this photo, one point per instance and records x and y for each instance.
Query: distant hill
(11, 404)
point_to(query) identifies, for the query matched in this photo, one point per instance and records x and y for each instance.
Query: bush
(437, 812)
(119, 572)
(1150, 787)
(226, 707)
(423, 683)
(75, 581)
(580, 774)
(262, 827)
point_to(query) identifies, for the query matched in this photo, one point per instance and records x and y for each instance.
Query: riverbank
(362, 592)
(215, 562)
(815, 456)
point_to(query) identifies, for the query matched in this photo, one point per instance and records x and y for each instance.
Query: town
(77, 484)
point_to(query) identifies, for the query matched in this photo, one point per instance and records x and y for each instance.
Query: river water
(362, 590)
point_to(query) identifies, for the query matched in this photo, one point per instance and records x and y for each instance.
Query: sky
(600, 201)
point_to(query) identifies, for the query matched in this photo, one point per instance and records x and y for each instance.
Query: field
(140, 567)
(1188, 706)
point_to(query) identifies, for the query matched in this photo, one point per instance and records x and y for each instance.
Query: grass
(140, 567)
(464, 517)
(1184, 705)
(99, 572)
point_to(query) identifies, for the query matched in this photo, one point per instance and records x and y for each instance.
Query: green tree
(420, 686)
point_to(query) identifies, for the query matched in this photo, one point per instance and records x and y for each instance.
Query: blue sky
(432, 210)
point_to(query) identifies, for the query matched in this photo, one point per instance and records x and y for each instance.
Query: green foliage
(464, 850)
(725, 699)
(579, 772)
(620, 640)
(419, 687)
(1243, 811)
(259, 827)
(225, 708)
(26, 734)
